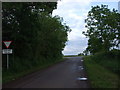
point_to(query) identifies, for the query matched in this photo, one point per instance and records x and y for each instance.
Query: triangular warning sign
(7, 43)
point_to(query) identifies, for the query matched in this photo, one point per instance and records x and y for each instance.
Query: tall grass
(103, 69)
(99, 76)
(21, 67)
(109, 60)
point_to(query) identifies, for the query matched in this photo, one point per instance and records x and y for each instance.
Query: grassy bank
(9, 76)
(102, 71)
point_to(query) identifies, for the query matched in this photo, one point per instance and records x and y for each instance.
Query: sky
(74, 12)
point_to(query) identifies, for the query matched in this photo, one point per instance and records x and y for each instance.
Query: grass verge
(99, 76)
(10, 76)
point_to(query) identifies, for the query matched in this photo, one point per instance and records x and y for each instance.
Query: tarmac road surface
(65, 74)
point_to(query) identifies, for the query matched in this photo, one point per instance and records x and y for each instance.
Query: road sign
(7, 51)
(7, 43)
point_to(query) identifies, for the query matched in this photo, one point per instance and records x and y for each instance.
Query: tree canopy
(37, 36)
(103, 29)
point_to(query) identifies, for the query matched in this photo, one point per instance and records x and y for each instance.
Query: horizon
(74, 14)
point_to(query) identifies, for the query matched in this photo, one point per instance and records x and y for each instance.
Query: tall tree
(18, 22)
(103, 28)
(37, 36)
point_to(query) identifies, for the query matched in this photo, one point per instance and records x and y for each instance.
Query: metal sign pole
(7, 44)
(7, 61)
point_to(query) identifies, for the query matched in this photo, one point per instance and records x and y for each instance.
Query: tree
(19, 21)
(51, 37)
(103, 28)
(37, 36)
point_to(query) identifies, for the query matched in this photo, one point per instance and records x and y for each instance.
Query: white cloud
(74, 13)
(75, 35)
(75, 46)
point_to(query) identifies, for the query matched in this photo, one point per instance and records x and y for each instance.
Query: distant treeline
(37, 37)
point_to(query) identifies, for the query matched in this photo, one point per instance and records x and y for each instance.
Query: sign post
(6, 51)
(7, 62)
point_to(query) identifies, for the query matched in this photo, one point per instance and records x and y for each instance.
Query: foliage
(103, 29)
(38, 38)
(19, 24)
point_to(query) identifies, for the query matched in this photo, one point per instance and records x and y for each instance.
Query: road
(62, 75)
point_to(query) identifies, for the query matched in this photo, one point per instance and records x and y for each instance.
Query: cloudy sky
(74, 13)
